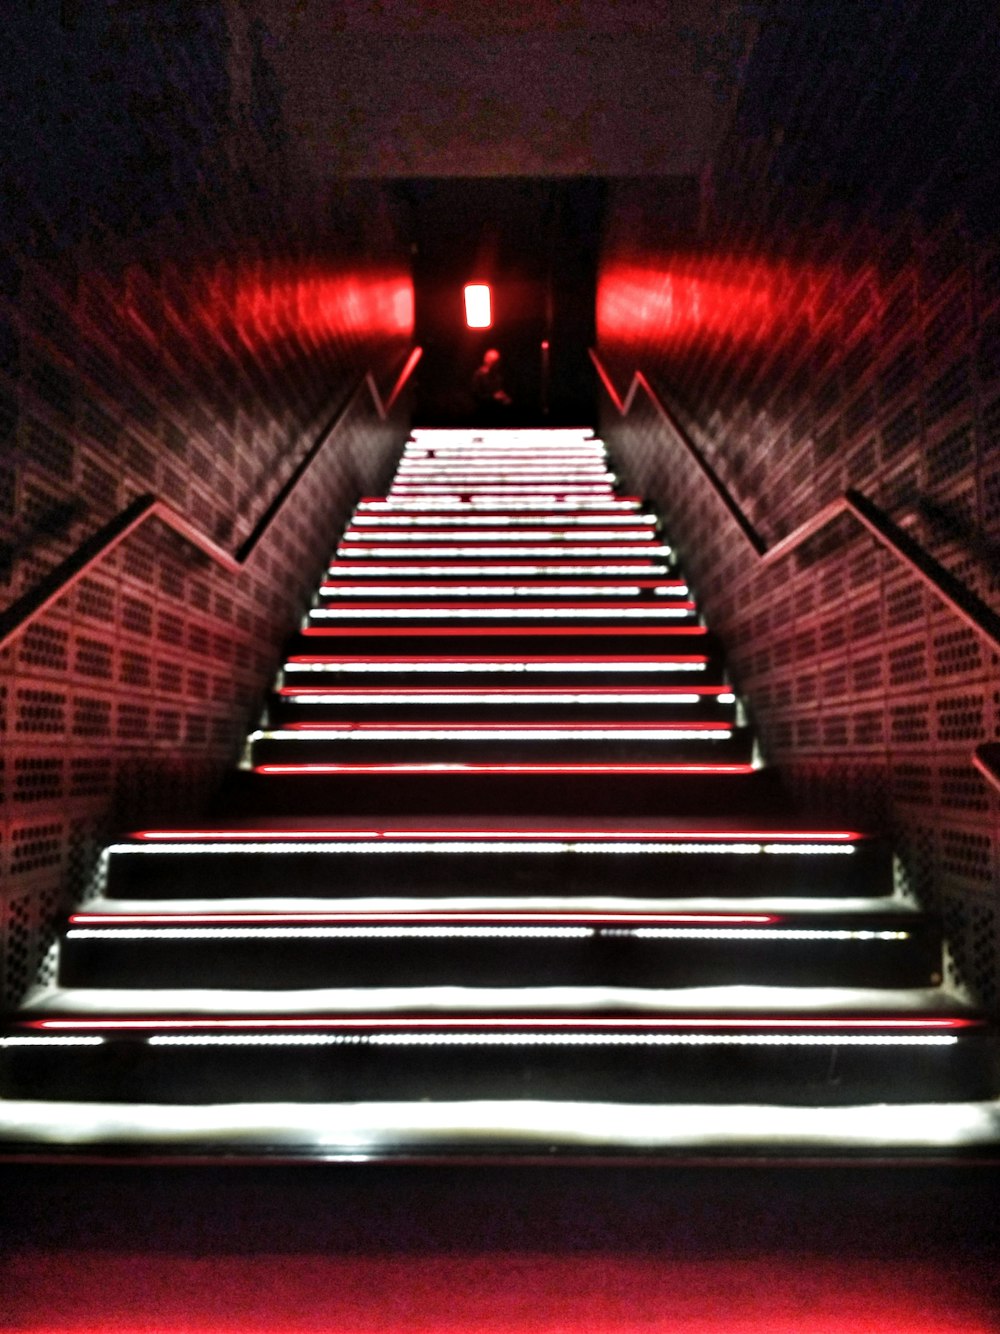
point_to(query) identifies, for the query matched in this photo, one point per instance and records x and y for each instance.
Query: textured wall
(827, 316)
(181, 312)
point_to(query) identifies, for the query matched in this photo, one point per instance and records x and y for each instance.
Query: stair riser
(323, 874)
(284, 710)
(735, 749)
(131, 1072)
(523, 672)
(459, 642)
(553, 794)
(294, 963)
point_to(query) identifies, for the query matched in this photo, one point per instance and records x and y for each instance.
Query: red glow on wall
(741, 300)
(260, 304)
(478, 305)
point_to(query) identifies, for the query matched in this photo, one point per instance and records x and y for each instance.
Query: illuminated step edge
(552, 839)
(486, 589)
(496, 732)
(279, 844)
(620, 522)
(401, 568)
(500, 469)
(468, 932)
(533, 1129)
(572, 550)
(426, 767)
(516, 1023)
(520, 505)
(513, 697)
(359, 534)
(494, 666)
(660, 613)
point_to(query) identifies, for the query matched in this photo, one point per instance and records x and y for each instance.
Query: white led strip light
(661, 613)
(553, 1040)
(639, 521)
(52, 1042)
(348, 552)
(334, 933)
(635, 569)
(504, 697)
(471, 933)
(503, 847)
(543, 504)
(486, 533)
(525, 732)
(346, 590)
(504, 668)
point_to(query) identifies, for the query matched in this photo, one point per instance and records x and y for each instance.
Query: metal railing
(54, 585)
(965, 604)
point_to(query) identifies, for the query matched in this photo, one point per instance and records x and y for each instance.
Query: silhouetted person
(493, 403)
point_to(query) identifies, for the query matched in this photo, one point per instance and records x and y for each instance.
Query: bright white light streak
(523, 732)
(504, 697)
(491, 590)
(749, 933)
(334, 933)
(498, 535)
(442, 667)
(51, 1042)
(500, 613)
(347, 551)
(464, 933)
(386, 505)
(500, 521)
(366, 571)
(476, 847)
(552, 1040)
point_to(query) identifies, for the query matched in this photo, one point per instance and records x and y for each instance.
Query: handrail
(986, 758)
(965, 604)
(950, 590)
(52, 586)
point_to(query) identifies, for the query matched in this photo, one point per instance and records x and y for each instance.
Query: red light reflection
(518, 1292)
(741, 300)
(263, 305)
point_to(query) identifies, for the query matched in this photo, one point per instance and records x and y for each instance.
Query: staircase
(501, 877)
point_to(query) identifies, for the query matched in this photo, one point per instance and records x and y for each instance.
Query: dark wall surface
(829, 316)
(182, 311)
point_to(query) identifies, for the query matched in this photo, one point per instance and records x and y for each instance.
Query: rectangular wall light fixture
(478, 306)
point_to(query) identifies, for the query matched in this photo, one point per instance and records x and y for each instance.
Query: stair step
(491, 949)
(788, 1059)
(358, 616)
(304, 703)
(381, 861)
(527, 592)
(481, 747)
(507, 640)
(501, 669)
(530, 1131)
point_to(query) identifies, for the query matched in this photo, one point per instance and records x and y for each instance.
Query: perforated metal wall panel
(181, 313)
(831, 320)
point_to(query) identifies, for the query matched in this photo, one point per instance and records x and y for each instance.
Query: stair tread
(624, 1002)
(847, 908)
(535, 1129)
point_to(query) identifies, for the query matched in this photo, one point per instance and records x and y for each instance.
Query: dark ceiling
(524, 88)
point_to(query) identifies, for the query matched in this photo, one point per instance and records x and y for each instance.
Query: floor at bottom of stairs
(298, 1250)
